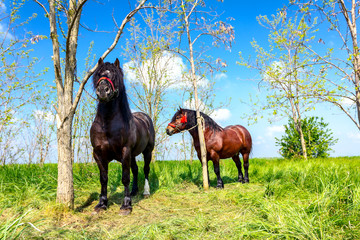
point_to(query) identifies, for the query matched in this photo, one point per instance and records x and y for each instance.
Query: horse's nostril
(107, 90)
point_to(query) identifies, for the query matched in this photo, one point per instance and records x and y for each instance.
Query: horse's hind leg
(246, 166)
(147, 160)
(134, 170)
(126, 207)
(237, 161)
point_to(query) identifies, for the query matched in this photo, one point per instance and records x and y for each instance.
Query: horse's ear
(100, 62)
(117, 63)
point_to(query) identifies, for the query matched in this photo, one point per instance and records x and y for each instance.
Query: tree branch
(112, 46)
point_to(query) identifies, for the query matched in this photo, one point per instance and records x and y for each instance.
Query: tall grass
(315, 199)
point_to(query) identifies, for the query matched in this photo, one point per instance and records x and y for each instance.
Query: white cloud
(2, 6)
(271, 131)
(3, 31)
(221, 114)
(347, 102)
(46, 115)
(3, 27)
(220, 76)
(259, 140)
(170, 69)
(354, 136)
(190, 104)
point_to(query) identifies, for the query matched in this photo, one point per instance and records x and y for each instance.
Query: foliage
(17, 79)
(84, 117)
(152, 71)
(285, 66)
(287, 69)
(318, 199)
(318, 139)
(342, 86)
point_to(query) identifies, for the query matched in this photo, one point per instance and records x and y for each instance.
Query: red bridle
(183, 120)
(109, 80)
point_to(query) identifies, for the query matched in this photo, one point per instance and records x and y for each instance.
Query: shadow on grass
(194, 175)
(93, 196)
(116, 197)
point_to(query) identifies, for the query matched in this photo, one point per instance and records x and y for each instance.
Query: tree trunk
(191, 151)
(198, 117)
(302, 139)
(352, 25)
(65, 189)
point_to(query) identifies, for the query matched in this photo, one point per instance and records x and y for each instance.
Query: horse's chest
(102, 137)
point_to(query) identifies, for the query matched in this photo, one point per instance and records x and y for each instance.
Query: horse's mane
(118, 80)
(209, 122)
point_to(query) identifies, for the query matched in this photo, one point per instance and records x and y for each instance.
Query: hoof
(99, 209)
(246, 180)
(146, 195)
(220, 186)
(125, 211)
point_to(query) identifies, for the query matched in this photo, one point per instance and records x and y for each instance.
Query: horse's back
(145, 125)
(239, 137)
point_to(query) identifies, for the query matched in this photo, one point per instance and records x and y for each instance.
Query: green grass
(315, 199)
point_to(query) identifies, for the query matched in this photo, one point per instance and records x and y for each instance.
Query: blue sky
(237, 83)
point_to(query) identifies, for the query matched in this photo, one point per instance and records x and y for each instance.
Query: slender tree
(287, 69)
(342, 88)
(152, 70)
(198, 22)
(17, 79)
(66, 37)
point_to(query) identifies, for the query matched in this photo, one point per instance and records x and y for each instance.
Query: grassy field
(315, 199)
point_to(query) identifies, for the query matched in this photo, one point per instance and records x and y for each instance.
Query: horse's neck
(110, 111)
(195, 135)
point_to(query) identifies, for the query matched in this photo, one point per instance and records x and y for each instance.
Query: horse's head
(178, 122)
(108, 80)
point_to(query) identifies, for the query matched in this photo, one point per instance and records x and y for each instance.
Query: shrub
(318, 139)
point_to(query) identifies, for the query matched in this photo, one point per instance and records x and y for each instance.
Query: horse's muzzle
(169, 131)
(104, 93)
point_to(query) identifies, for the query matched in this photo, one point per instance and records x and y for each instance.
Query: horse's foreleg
(216, 159)
(103, 167)
(246, 166)
(237, 161)
(220, 183)
(126, 206)
(207, 167)
(134, 170)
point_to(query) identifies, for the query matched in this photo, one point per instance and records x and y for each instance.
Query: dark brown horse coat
(118, 134)
(220, 142)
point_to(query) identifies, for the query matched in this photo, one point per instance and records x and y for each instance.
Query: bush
(318, 139)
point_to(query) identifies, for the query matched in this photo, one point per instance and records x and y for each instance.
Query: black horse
(118, 134)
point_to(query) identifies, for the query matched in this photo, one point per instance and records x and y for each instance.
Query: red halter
(109, 80)
(182, 120)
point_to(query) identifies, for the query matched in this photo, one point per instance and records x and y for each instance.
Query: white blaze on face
(146, 188)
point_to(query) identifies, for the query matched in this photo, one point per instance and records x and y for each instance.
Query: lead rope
(202, 123)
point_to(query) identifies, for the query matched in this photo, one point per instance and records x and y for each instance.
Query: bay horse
(118, 134)
(221, 143)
